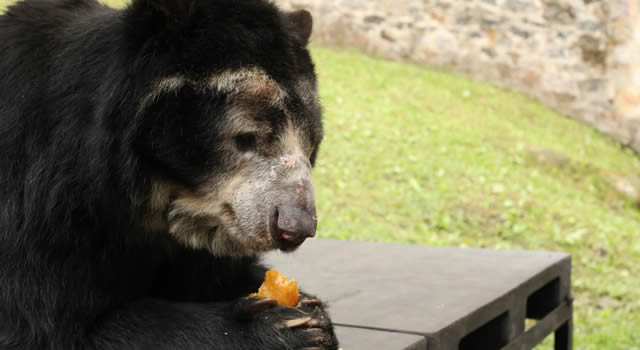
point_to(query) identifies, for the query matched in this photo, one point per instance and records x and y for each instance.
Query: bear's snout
(294, 225)
(294, 212)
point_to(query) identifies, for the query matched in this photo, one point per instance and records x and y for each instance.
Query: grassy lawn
(413, 155)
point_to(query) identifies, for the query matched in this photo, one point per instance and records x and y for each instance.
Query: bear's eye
(246, 141)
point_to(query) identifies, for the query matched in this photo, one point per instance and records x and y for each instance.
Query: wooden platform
(393, 296)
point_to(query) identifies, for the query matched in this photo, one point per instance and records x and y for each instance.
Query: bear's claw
(247, 308)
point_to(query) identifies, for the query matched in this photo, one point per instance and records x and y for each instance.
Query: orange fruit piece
(277, 287)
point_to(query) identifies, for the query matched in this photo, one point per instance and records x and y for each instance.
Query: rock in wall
(581, 57)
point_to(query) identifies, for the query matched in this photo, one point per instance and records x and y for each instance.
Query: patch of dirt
(549, 157)
(628, 186)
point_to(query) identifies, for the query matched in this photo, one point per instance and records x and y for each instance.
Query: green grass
(413, 155)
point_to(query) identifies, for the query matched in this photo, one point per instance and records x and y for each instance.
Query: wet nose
(295, 224)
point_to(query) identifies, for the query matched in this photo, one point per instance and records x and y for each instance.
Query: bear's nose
(295, 225)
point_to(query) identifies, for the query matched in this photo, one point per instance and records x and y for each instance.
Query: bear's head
(229, 123)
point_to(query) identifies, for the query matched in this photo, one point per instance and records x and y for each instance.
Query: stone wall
(581, 57)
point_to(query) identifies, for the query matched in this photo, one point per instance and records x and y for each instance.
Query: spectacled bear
(148, 157)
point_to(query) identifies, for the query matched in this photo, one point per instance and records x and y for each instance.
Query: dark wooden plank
(367, 339)
(409, 288)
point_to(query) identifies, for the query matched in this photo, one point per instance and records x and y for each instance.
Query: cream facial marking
(206, 220)
(240, 120)
(293, 146)
(162, 87)
(251, 82)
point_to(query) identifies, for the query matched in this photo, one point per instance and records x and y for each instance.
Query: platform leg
(563, 337)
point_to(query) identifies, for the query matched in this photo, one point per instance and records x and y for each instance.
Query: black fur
(77, 162)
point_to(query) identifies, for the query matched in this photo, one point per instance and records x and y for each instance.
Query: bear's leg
(157, 324)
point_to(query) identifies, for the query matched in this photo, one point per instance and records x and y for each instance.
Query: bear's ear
(302, 24)
(172, 14)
